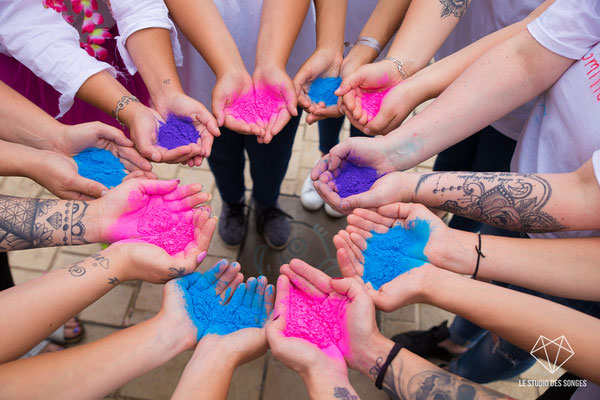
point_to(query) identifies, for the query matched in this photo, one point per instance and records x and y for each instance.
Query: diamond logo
(560, 345)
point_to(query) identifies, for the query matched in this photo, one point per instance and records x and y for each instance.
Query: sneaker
(274, 224)
(309, 198)
(331, 212)
(232, 223)
(425, 343)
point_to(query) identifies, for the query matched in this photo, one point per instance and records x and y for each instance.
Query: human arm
(280, 24)
(209, 372)
(109, 363)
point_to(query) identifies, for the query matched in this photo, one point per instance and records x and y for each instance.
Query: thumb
(88, 187)
(218, 109)
(350, 287)
(368, 199)
(346, 268)
(111, 133)
(350, 82)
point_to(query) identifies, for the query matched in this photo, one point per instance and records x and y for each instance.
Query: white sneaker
(331, 212)
(309, 197)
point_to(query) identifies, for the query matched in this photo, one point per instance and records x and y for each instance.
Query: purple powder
(177, 131)
(354, 179)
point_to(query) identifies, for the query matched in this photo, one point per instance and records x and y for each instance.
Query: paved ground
(129, 303)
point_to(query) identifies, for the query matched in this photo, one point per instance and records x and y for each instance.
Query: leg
(6, 280)
(329, 133)
(227, 165)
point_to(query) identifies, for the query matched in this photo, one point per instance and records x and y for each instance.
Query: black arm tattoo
(508, 200)
(114, 281)
(31, 223)
(77, 269)
(176, 272)
(344, 394)
(454, 7)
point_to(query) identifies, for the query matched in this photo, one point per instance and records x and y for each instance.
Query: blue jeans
(329, 133)
(486, 151)
(268, 163)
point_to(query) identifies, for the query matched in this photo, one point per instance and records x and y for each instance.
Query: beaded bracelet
(121, 105)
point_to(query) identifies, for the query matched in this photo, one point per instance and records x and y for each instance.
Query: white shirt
(482, 18)
(40, 39)
(563, 131)
(242, 18)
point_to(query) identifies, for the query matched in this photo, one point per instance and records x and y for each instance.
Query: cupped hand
(231, 89)
(119, 210)
(274, 87)
(178, 103)
(321, 64)
(364, 152)
(298, 354)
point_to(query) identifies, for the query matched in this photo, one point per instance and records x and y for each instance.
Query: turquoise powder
(322, 89)
(395, 252)
(101, 166)
(207, 312)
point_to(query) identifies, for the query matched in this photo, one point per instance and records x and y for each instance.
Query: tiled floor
(127, 304)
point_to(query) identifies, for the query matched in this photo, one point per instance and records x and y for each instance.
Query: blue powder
(101, 166)
(207, 312)
(177, 131)
(323, 89)
(391, 254)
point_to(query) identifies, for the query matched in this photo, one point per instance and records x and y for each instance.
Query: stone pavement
(132, 302)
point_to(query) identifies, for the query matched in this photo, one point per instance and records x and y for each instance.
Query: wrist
(174, 340)
(456, 251)
(127, 113)
(321, 383)
(362, 54)
(215, 353)
(374, 355)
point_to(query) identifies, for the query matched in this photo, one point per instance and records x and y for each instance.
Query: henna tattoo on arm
(508, 200)
(454, 7)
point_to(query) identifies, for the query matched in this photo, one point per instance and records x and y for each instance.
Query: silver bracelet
(369, 42)
(121, 105)
(399, 65)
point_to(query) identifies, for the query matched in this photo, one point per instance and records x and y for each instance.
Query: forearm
(203, 26)
(100, 367)
(23, 122)
(27, 223)
(409, 376)
(33, 310)
(426, 26)
(17, 159)
(280, 25)
(151, 51)
(518, 318)
(505, 77)
(328, 385)
(331, 22)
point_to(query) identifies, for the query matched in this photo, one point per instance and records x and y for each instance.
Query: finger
(354, 252)
(377, 221)
(351, 288)
(211, 276)
(268, 300)
(283, 293)
(238, 296)
(257, 301)
(87, 187)
(230, 290)
(315, 276)
(189, 202)
(319, 168)
(111, 133)
(184, 191)
(133, 158)
(396, 210)
(227, 277)
(238, 125)
(250, 292)
(346, 268)
(205, 233)
(302, 283)
(158, 186)
(189, 280)
(283, 117)
(350, 82)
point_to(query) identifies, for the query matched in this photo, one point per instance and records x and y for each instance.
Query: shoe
(274, 224)
(232, 223)
(425, 343)
(331, 212)
(309, 198)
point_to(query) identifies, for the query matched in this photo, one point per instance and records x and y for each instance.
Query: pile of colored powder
(163, 228)
(371, 102)
(395, 252)
(101, 166)
(259, 105)
(317, 321)
(354, 179)
(210, 316)
(177, 131)
(322, 90)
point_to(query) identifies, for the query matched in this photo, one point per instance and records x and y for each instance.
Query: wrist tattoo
(508, 200)
(454, 7)
(344, 394)
(113, 281)
(176, 272)
(77, 269)
(31, 223)
(167, 81)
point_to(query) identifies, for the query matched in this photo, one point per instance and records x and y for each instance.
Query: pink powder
(371, 102)
(163, 228)
(315, 320)
(259, 105)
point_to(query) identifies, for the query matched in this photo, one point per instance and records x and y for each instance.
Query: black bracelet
(393, 353)
(479, 256)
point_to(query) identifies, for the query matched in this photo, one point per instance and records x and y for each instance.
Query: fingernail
(201, 257)
(103, 192)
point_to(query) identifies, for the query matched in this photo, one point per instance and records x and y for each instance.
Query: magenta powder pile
(177, 131)
(256, 106)
(354, 179)
(163, 228)
(371, 102)
(317, 321)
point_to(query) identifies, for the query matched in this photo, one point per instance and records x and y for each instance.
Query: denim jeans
(486, 151)
(329, 133)
(268, 163)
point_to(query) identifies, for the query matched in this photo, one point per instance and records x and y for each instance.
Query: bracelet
(121, 105)
(393, 353)
(399, 65)
(369, 42)
(479, 256)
